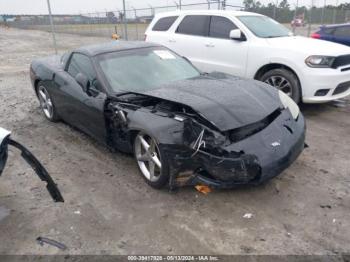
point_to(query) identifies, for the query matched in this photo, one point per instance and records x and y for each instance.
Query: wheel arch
(135, 131)
(130, 140)
(36, 85)
(271, 66)
(132, 135)
(267, 67)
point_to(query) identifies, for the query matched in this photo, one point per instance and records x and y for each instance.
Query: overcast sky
(87, 6)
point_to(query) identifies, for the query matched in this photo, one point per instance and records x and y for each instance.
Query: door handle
(209, 45)
(171, 41)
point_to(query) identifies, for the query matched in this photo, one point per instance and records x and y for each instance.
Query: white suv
(255, 46)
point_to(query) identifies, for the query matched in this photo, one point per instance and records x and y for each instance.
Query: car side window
(194, 25)
(80, 63)
(342, 31)
(220, 27)
(329, 31)
(164, 23)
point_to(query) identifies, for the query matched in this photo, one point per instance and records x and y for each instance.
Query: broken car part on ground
(5, 141)
(184, 127)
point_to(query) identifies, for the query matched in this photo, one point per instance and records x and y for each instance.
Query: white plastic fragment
(3, 134)
(248, 215)
(77, 212)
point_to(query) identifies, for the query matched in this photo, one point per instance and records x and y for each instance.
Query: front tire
(46, 103)
(283, 80)
(151, 163)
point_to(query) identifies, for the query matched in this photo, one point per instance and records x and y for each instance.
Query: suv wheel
(283, 80)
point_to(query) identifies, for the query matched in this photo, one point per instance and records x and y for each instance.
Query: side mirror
(83, 81)
(238, 35)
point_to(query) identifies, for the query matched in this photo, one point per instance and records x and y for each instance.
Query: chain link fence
(103, 24)
(303, 20)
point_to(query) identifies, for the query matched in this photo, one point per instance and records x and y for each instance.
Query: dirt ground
(110, 210)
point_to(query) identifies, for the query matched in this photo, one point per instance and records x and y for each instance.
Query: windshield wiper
(123, 93)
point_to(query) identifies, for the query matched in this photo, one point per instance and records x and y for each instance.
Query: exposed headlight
(289, 103)
(319, 61)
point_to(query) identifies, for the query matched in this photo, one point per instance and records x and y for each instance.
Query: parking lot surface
(109, 209)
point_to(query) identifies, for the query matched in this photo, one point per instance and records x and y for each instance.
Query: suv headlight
(319, 61)
(289, 103)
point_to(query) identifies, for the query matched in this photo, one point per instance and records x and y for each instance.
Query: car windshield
(144, 69)
(264, 27)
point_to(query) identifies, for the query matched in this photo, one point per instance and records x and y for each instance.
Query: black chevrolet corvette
(183, 127)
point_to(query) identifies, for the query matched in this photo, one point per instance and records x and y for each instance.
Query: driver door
(84, 111)
(222, 53)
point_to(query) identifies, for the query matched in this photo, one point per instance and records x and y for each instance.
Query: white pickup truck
(255, 46)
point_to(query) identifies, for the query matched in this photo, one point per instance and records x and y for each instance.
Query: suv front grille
(341, 61)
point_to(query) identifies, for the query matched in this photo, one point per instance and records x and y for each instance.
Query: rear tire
(46, 103)
(283, 80)
(152, 164)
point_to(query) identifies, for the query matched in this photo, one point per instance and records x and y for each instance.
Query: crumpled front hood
(309, 46)
(228, 102)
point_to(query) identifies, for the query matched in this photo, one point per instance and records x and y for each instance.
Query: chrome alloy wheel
(45, 102)
(280, 83)
(148, 157)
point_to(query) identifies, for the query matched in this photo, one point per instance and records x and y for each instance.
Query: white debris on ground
(248, 215)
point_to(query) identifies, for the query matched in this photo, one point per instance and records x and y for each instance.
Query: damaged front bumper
(253, 160)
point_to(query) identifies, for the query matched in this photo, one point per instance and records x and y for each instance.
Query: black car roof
(113, 46)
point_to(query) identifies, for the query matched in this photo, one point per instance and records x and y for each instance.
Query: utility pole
(52, 27)
(136, 23)
(296, 9)
(208, 1)
(124, 21)
(152, 9)
(223, 4)
(335, 11)
(322, 18)
(135, 12)
(295, 15)
(274, 9)
(310, 18)
(180, 4)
